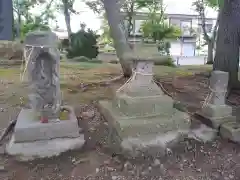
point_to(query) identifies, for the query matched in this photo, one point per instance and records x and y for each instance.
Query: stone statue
(42, 67)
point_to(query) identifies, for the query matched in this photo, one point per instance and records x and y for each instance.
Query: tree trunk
(227, 45)
(210, 52)
(118, 34)
(67, 18)
(18, 25)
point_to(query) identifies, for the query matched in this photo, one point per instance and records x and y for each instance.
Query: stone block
(217, 111)
(27, 151)
(137, 126)
(140, 106)
(152, 145)
(215, 122)
(231, 131)
(136, 89)
(29, 129)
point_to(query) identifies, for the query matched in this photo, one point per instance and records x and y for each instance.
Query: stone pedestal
(33, 139)
(28, 129)
(215, 109)
(141, 112)
(231, 131)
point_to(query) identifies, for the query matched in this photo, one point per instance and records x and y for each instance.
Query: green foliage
(151, 5)
(83, 43)
(105, 37)
(216, 4)
(164, 47)
(165, 61)
(32, 26)
(159, 30)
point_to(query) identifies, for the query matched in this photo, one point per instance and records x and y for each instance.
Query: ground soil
(189, 160)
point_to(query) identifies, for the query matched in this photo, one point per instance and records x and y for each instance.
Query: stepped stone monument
(40, 130)
(214, 108)
(141, 116)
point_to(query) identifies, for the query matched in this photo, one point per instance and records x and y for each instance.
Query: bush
(95, 61)
(114, 61)
(80, 59)
(85, 59)
(165, 61)
(83, 43)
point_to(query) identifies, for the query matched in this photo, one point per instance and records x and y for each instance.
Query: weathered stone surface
(140, 106)
(27, 151)
(217, 111)
(231, 131)
(218, 87)
(141, 128)
(203, 134)
(42, 68)
(216, 122)
(30, 129)
(151, 145)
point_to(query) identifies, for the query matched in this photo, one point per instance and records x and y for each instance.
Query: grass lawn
(73, 74)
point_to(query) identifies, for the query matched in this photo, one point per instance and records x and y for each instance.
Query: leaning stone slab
(30, 129)
(231, 131)
(27, 151)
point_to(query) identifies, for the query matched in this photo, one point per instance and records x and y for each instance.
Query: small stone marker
(218, 87)
(215, 108)
(40, 131)
(141, 115)
(231, 131)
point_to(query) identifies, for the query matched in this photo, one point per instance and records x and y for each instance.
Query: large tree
(66, 8)
(210, 39)
(227, 45)
(117, 30)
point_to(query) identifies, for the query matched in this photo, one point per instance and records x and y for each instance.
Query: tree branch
(203, 20)
(216, 26)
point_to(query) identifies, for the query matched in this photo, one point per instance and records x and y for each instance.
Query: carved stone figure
(42, 67)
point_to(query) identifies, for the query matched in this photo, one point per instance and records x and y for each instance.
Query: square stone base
(142, 128)
(215, 123)
(136, 126)
(215, 116)
(217, 111)
(27, 151)
(231, 131)
(28, 129)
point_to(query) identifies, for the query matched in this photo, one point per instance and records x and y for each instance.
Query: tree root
(85, 87)
(7, 130)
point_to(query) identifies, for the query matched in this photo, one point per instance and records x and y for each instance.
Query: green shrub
(95, 61)
(165, 61)
(80, 59)
(114, 61)
(83, 43)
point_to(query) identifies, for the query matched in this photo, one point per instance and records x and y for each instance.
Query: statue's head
(41, 39)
